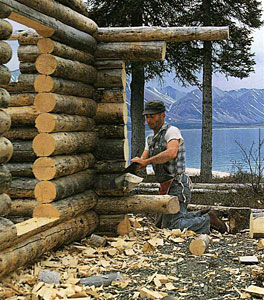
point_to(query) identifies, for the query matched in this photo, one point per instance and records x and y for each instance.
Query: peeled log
(112, 149)
(21, 133)
(48, 191)
(67, 208)
(23, 99)
(110, 95)
(113, 225)
(111, 131)
(47, 122)
(5, 179)
(23, 151)
(5, 74)
(6, 150)
(28, 53)
(46, 45)
(256, 225)
(47, 102)
(110, 64)
(22, 188)
(23, 115)
(23, 207)
(29, 249)
(47, 168)
(23, 169)
(5, 121)
(111, 113)
(111, 78)
(49, 64)
(44, 83)
(138, 204)
(6, 30)
(110, 166)
(200, 244)
(157, 33)
(45, 144)
(132, 51)
(4, 98)
(5, 204)
(27, 68)
(5, 52)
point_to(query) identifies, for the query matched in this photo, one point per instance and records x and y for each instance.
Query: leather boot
(216, 223)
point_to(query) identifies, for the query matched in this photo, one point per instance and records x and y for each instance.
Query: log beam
(111, 113)
(111, 78)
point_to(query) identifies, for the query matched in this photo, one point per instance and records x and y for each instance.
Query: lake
(225, 149)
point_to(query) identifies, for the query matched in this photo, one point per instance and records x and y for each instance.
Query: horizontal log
(110, 95)
(27, 68)
(50, 27)
(200, 244)
(46, 45)
(110, 166)
(19, 87)
(138, 204)
(110, 64)
(49, 64)
(20, 169)
(77, 5)
(157, 33)
(5, 179)
(132, 51)
(5, 74)
(25, 133)
(22, 99)
(4, 98)
(5, 52)
(5, 205)
(5, 121)
(27, 37)
(22, 188)
(23, 115)
(111, 113)
(31, 248)
(23, 151)
(67, 208)
(48, 84)
(64, 14)
(27, 80)
(113, 225)
(4, 11)
(220, 186)
(6, 29)
(6, 150)
(47, 102)
(45, 144)
(49, 191)
(112, 149)
(111, 131)
(47, 122)
(47, 168)
(28, 53)
(111, 78)
(23, 207)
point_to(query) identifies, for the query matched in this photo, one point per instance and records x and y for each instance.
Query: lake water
(225, 149)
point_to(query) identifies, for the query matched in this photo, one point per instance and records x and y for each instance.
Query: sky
(255, 80)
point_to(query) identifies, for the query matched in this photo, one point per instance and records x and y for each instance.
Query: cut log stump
(200, 244)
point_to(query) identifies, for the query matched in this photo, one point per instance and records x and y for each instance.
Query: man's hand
(140, 161)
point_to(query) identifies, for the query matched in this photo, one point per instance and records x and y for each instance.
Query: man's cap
(154, 107)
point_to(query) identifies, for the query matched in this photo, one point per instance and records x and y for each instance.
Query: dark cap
(154, 107)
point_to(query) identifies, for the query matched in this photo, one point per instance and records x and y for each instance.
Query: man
(165, 150)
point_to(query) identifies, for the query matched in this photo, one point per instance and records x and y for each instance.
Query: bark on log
(50, 27)
(23, 169)
(110, 166)
(28, 37)
(256, 225)
(28, 53)
(5, 121)
(110, 64)
(4, 98)
(5, 179)
(23, 151)
(5, 223)
(200, 244)
(6, 150)
(46, 45)
(111, 78)
(4, 11)
(50, 84)
(112, 149)
(19, 87)
(47, 168)
(47, 102)
(110, 95)
(5, 74)
(132, 51)
(154, 33)
(23, 115)
(24, 99)
(138, 204)
(6, 29)
(23, 207)
(47, 122)
(111, 113)
(27, 68)
(67, 208)
(5, 52)
(48, 191)
(27, 80)
(21, 133)
(22, 188)
(45, 144)
(5, 204)
(64, 14)
(77, 5)
(111, 131)
(113, 225)
(49, 64)
(65, 233)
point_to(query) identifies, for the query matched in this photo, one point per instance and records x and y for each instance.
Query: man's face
(155, 121)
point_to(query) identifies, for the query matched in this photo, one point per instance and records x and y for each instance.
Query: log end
(43, 83)
(45, 102)
(6, 150)
(45, 122)
(173, 206)
(44, 144)
(197, 247)
(45, 191)
(46, 64)
(44, 168)
(45, 211)
(45, 45)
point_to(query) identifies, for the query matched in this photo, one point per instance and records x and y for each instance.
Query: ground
(150, 259)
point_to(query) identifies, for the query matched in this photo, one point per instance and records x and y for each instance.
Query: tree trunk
(23, 169)
(6, 150)
(5, 75)
(4, 98)
(110, 95)
(28, 53)
(5, 205)
(23, 151)
(23, 99)
(48, 191)
(23, 207)
(21, 133)
(5, 52)
(136, 108)
(200, 244)
(47, 102)
(5, 121)
(67, 208)
(113, 225)
(22, 115)
(5, 179)
(111, 113)
(6, 29)
(45, 144)
(22, 188)
(112, 149)
(47, 168)
(111, 78)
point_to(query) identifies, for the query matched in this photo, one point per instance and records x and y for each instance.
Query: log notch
(113, 225)
(256, 228)
(200, 244)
